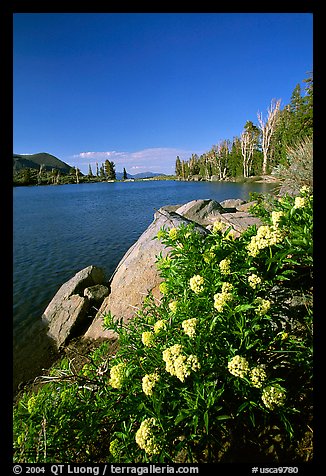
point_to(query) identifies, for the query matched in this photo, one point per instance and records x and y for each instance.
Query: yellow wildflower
(189, 327)
(148, 338)
(263, 306)
(227, 287)
(304, 189)
(197, 284)
(238, 366)
(164, 288)
(273, 396)
(266, 236)
(146, 438)
(276, 217)
(173, 233)
(159, 325)
(257, 376)
(178, 364)
(254, 280)
(299, 202)
(208, 256)
(117, 375)
(217, 226)
(221, 299)
(115, 448)
(225, 266)
(173, 305)
(148, 383)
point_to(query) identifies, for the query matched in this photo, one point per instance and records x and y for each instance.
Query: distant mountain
(146, 175)
(33, 161)
(119, 175)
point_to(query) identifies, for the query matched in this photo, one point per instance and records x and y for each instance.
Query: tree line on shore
(260, 148)
(43, 176)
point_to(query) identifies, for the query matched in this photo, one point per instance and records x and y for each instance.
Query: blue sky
(142, 88)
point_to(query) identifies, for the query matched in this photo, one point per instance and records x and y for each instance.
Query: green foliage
(222, 356)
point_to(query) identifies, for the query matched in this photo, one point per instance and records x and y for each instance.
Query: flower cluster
(208, 256)
(217, 226)
(148, 382)
(173, 233)
(263, 306)
(266, 236)
(161, 234)
(173, 305)
(189, 327)
(178, 364)
(117, 375)
(115, 448)
(305, 189)
(254, 281)
(276, 218)
(221, 299)
(299, 202)
(257, 376)
(273, 396)
(164, 288)
(146, 438)
(225, 266)
(159, 326)
(197, 284)
(238, 366)
(148, 338)
(227, 287)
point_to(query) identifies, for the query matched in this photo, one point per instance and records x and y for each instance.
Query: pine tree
(109, 170)
(90, 173)
(178, 167)
(125, 176)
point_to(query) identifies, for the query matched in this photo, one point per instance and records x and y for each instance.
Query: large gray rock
(232, 203)
(69, 316)
(202, 212)
(96, 294)
(68, 309)
(136, 274)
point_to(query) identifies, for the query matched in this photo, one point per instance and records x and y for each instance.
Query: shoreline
(253, 179)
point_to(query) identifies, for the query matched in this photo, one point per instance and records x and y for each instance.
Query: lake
(59, 230)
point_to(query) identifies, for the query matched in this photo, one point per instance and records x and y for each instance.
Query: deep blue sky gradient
(145, 87)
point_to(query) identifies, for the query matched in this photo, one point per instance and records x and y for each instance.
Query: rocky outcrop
(136, 275)
(203, 212)
(69, 309)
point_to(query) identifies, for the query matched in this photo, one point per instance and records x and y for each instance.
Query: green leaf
(181, 416)
(223, 417)
(206, 421)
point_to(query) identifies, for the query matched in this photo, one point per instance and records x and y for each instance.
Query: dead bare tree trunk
(267, 127)
(247, 150)
(39, 177)
(77, 174)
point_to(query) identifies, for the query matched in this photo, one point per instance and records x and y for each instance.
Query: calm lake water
(58, 230)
